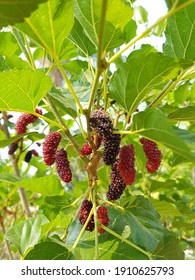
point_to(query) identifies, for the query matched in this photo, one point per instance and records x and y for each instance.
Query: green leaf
(9, 178)
(47, 185)
(12, 12)
(49, 25)
(183, 114)
(79, 38)
(153, 125)
(165, 209)
(11, 62)
(49, 250)
(169, 249)
(118, 14)
(33, 135)
(22, 90)
(143, 14)
(139, 76)
(8, 44)
(26, 234)
(180, 34)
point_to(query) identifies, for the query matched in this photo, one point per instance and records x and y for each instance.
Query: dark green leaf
(49, 250)
(139, 77)
(153, 124)
(12, 12)
(180, 34)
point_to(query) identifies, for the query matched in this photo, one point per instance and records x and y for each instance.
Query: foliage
(70, 58)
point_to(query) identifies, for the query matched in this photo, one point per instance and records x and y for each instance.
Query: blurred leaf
(26, 234)
(49, 250)
(180, 34)
(31, 135)
(8, 14)
(8, 44)
(143, 14)
(153, 124)
(130, 30)
(46, 185)
(22, 90)
(165, 209)
(183, 114)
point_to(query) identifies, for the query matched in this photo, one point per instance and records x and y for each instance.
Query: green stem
(69, 85)
(145, 33)
(32, 63)
(149, 255)
(100, 56)
(82, 231)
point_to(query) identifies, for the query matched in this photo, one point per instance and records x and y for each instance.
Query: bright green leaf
(12, 12)
(139, 76)
(49, 25)
(118, 14)
(22, 90)
(153, 125)
(26, 234)
(180, 34)
(8, 44)
(165, 209)
(33, 135)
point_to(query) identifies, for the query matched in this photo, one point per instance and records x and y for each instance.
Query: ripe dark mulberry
(12, 148)
(28, 156)
(101, 123)
(62, 166)
(86, 207)
(152, 153)
(102, 217)
(111, 148)
(50, 146)
(24, 120)
(117, 185)
(126, 165)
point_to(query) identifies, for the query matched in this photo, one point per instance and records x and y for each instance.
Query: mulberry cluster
(126, 165)
(24, 120)
(50, 147)
(117, 185)
(86, 207)
(102, 217)
(102, 124)
(111, 148)
(62, 165)
(152, 153)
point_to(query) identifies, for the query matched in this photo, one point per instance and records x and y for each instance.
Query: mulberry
(50, 147)
(117, 185)
(126, 165)
(86, 149)
(152, 153)
(111, 148)
(86, 207)
(12, 148)
(101, 123)
(102, 217)
(28, 156)
(24, 120)
(62, 165)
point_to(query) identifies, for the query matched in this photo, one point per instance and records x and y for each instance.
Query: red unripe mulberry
(86, 207)
(63, 166)
(126, 165)
(50, 146)
(102, 217)
(86, 149)
(152, 153)
(24, 120)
